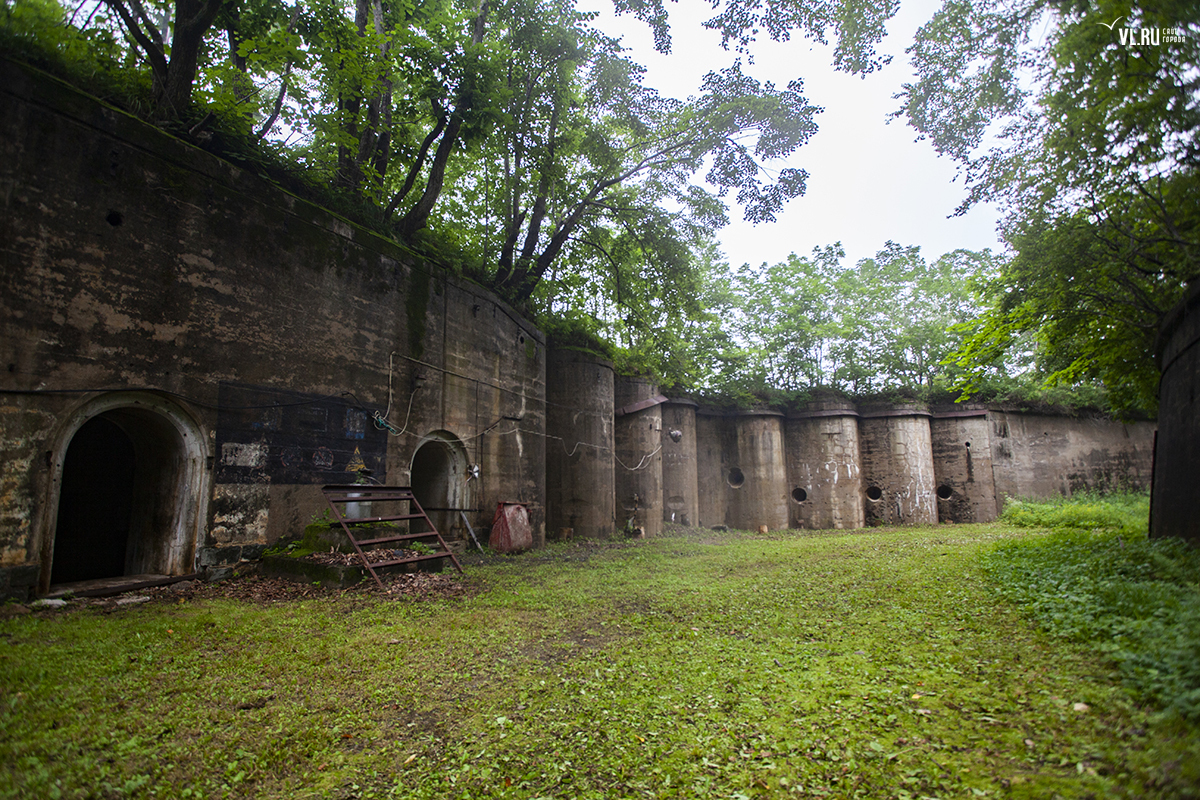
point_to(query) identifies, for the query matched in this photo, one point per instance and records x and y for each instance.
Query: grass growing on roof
(875, 664)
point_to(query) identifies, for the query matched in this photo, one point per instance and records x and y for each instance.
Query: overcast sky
(869, 181)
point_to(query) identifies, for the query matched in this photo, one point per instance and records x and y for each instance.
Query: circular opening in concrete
(799, 495)
(736, 478)
(944, 492)
(874, 493)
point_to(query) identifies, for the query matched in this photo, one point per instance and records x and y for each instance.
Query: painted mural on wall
(267, 435)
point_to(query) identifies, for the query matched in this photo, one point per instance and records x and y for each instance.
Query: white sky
(869, 181)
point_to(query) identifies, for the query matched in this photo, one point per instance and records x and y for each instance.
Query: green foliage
(885, 323)
(577, 332)
(1098, 168)
(1097, 579)
(93, 58)
(1124, 514)
(856, 26)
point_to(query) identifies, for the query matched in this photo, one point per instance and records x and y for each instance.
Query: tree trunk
(193, 18)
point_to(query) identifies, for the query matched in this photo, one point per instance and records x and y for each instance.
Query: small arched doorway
(95, 504)
(128, 494)
(439, 481)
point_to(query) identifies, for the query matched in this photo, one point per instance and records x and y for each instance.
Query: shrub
(1097, 578)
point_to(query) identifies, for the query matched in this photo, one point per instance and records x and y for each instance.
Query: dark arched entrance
(95, 504)
(128, 496)
(439, 477)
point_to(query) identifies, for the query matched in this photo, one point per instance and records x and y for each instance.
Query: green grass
(1096, 578)
(876, 664)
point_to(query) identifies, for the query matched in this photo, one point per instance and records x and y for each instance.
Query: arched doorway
(95, 504)
(128, 496)
(439, 481)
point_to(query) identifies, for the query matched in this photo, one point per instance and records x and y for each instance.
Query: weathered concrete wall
(715, 440)
(579, 452)
(824, 466)
(761, 499)
(243, 336)
(1177, 460)
(897, 465)
(962, 465)
(637, 437)
(1037, 455)
(681, 500)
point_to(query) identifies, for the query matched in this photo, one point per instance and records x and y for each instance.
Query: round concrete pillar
(714, 448)
(681, 499)
(962, 465)
(637, 434)
(579, 452)
(758, 477)
(897, 464)
(823, 466)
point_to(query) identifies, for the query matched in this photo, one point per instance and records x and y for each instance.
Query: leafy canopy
(1087, 131)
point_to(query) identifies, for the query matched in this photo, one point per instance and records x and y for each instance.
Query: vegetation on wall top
(513, 142)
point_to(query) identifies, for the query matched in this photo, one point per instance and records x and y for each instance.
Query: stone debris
(49, 602)
(125, 601)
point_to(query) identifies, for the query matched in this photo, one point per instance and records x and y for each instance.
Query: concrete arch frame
(170, 487)
(438, 475)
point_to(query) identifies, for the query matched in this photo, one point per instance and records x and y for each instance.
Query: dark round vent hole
(736, 478)
(944, 492)
(114, 218)
(799, 495)
(874, 493)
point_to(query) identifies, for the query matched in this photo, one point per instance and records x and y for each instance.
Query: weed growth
(877, 664)
(1096, 578)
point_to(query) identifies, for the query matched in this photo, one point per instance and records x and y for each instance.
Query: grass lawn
(881, 663)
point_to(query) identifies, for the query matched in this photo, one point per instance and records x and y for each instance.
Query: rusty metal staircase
(346, 500)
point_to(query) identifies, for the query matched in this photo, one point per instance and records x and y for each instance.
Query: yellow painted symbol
(356, 462)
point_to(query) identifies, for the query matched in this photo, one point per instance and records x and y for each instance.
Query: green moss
(416, 306)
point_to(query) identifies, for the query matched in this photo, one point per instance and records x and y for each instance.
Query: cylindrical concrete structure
(897, 465)
(637, 434)
(681, 499)
(962, 465)
(1177, 444)
(714, 439)
(758, 476)
(824, 466)
(579, 452)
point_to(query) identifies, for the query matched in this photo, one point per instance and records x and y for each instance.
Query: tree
(887, 322)
(1098, 167)
(513, 130)
(587, 158)
(856, 25)
(170, 39)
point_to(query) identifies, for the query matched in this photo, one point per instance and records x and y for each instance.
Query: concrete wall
(962, 466)
(637, 437)
(238, 337)
(1037, 455)
(897, 465)
(579, 452)
(824, 466)
(714, 441)
(681, 500)
(762, 498)
(1177, 461)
